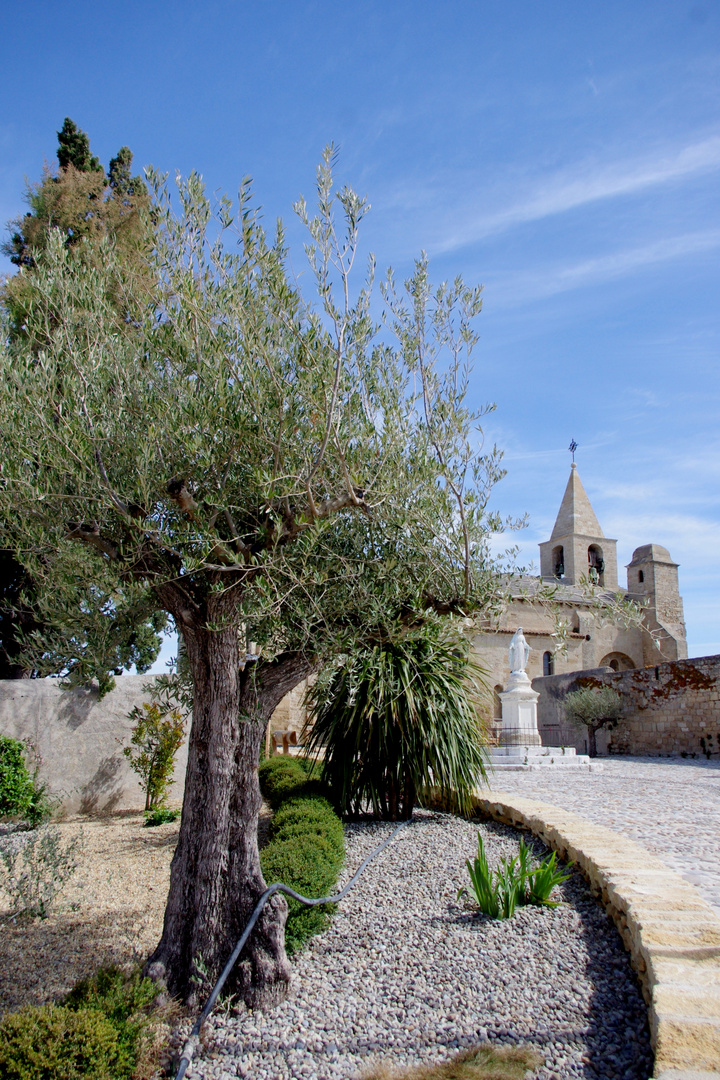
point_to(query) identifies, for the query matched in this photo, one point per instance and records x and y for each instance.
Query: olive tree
(593, 707)
(263, 468)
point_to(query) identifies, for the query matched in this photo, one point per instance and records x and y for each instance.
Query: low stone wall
(670, 708)
(79, 738)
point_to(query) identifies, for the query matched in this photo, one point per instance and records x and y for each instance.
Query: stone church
(579, 551)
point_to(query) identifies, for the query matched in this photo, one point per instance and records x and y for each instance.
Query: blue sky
(565, 155)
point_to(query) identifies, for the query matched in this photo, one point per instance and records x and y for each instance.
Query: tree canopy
(258, 465)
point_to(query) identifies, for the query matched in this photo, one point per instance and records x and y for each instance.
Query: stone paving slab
(669, 805)
(672, 934)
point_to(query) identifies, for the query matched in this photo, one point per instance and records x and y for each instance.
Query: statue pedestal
(521, 748)
(519, 712)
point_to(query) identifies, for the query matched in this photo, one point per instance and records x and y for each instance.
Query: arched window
(497, 703)
(596, 565)
(558, 561)
(548, 663)
(641, 576)
(618, 661)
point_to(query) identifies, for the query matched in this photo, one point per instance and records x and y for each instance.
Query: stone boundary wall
(79, 739)
(670, 931)
(670, 708)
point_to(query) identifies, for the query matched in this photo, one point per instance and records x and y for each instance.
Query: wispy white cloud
(523, 287)
(589, 182)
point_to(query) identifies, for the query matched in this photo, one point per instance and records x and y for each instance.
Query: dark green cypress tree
(74, 149)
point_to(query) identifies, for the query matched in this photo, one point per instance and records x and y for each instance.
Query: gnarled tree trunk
(215, 877)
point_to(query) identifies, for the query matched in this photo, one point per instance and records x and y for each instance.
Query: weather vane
(572, 448)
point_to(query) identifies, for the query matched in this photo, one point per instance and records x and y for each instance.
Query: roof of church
(576, 515)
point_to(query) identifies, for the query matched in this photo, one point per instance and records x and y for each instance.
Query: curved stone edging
(670, 931)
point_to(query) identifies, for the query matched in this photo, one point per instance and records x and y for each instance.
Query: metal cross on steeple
(572, 448)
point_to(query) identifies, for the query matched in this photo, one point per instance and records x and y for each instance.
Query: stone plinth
(519, 712)
(527, 758)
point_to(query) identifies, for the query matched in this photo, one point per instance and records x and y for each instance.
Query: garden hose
(194, 1037)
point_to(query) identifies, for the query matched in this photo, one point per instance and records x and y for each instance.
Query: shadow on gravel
(42, 959)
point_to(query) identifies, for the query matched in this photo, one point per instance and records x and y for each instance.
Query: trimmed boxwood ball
(309, 864)
(281, 777)
(306, 814)
(55, 1041)
(307, 845)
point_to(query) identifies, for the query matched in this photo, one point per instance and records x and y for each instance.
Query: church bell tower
(577, 547)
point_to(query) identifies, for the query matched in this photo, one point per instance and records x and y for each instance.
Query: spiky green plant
(514, 883)
(398, 721)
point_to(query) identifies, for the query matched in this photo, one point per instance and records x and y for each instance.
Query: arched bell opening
(558, 562)
(596, 565)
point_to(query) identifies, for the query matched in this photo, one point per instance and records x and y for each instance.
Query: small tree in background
(157, 736)
(397, 719)
(593, 707)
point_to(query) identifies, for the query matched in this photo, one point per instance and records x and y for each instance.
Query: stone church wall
(670, 708)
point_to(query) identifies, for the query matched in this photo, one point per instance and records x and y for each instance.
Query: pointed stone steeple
(577, 547)
(575, 515)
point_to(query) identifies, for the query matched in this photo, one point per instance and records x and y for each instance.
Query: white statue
(518, 651)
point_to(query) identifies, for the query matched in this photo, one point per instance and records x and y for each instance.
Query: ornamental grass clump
(513, 884)
(481, 1063)
(397, 722)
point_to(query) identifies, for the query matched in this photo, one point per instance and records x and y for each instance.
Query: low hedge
(307, 848)
(96, 1034)
(283, 776)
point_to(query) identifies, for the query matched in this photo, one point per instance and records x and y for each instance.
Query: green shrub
(306, 814)
(161, 816)
(309, 864)
(157, 735)
(282, 776)
(96, 1034)
(21, 795)
(56, 1041)
(33, 874)
(307, 845)
(117, 995)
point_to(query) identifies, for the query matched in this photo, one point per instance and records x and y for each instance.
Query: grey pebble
(407, 973)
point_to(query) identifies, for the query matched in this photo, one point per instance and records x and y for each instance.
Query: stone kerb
(672, 934)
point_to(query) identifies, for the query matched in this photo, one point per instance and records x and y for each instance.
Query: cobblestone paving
(671, 805)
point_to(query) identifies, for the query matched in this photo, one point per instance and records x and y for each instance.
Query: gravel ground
(110, 912)
(405, 973)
